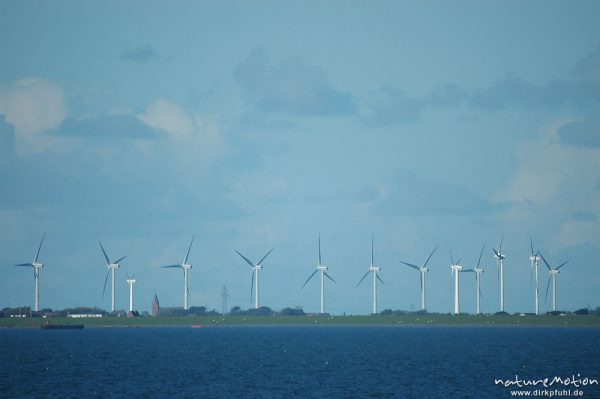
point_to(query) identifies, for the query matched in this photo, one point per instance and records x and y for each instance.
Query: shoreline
(314, 321)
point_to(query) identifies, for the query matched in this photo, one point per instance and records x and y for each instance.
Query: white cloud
(195, 138)
(550, 183)
(32, 105)
(167, 116)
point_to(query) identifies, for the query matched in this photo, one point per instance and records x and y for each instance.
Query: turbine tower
(112, 266)
(422, 269)
(535, 259)
(553, 273)
(500, 262)
(372, 269)
(323, 272)
(185, 266)
(36, 274)
(478, 270)
(256, 268)
(456, 268)
(131, 281)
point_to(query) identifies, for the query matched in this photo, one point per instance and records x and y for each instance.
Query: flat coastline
(283, 321)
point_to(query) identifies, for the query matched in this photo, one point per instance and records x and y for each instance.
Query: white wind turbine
(256, 268)
(422, 269)
(456, 268)
(131, 281)
(372, 269)
(323, 271)
(553, 273)
(478, 270)
(535, 259)
(112, 266)
(500, 262)
(36, 274)
(185, 266)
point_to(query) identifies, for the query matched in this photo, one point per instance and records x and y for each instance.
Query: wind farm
(323, 272)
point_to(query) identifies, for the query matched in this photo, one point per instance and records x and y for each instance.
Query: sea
(300, 362)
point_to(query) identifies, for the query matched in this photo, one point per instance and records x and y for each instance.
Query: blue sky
(260, 125)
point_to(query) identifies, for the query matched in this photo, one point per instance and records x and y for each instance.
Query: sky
(259, 125)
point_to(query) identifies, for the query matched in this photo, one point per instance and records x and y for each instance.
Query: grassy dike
(378, 320)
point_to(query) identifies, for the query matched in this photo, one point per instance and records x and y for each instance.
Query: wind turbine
(456, 268)
(423, 269)
(500, 262)
(372, 269)
(553, 272)
(185, 266)
(323, 271)
(255, 269)
(131, 281)
(535, 259)
(478, 270)
(36, 274)
(112, 266)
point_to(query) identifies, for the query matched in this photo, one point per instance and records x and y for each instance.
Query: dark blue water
(287, 362)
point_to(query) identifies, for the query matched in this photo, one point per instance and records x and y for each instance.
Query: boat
(49, 326)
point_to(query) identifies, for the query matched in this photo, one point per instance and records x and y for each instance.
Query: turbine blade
(458, 261)
(545, 262)
(328, 276)
(379, 278)
(263, 258)
(246, 259)
(501, 241)
(40, 247)
(452, 257)
(372, 250)
(104, 252)
(480, 255)
(480, 294)
(252, 285)
(410, 265)
(496, 252)
(188, 251)
(421, 278)
(562, 264)
(531, 274)
(105, 281)
(531, 244)
(308, 279)
(363, 277)
(547, 287)
(171, 266)
(187, 288)
(25, 264)
(467, 270)
(430, 255)
(319, 249)
(120, 259)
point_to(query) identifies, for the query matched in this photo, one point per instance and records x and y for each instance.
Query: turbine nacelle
(456, 268)
(113, 265)
(374, 268)
(37, 265)
(257, 267)
(534, 258)
(322, 267)
(553, 271)
(131, 281)
(478, 270)
(424, 269)
(184, 266)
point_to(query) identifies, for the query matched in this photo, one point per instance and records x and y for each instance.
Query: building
(155, 305)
